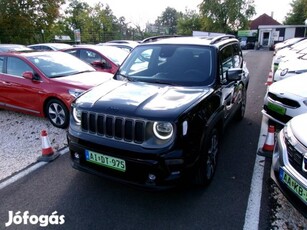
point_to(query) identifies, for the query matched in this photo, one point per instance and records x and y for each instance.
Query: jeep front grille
(109, 126)
(284, 101)
(295, 158)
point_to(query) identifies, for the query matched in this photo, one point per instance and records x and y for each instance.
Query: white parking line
(254, 201)
(21, 174)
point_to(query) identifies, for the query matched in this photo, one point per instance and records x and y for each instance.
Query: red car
(102, 58)
(45, 83)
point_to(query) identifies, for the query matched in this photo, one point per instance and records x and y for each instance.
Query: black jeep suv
(160, 118)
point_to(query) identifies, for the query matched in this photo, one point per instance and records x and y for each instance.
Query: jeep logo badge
(304, 165)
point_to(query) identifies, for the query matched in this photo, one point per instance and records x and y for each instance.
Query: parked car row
(287, 96)
(49, 46)
(285, 105)
(14, 48)
(293, 52)
(248, 43)
(45, 83)
(43, 79)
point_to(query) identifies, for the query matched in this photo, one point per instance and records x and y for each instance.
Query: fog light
(151, 177)
(77, 156)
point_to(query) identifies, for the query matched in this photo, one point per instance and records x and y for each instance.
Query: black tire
(208, 159)
(241, 111)
(57, 113)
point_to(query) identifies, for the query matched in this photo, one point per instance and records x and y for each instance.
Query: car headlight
(284, 72)
(75, 92)
(163, 130)
(77, 115)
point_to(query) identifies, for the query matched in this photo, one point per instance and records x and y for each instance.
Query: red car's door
(17, 92)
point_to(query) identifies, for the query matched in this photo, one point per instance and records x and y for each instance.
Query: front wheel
(208, 159)
(241, 111)
(57, 113)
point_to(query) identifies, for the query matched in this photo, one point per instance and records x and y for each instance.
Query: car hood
(85, 80)
(298, 126)
(139, 99)
(295, 85)
(293, 64)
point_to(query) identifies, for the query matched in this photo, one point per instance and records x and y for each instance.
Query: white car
(295, 50)
(291, 67)
(49, 46)
(287, 43)
(286, 99)
(289, 162)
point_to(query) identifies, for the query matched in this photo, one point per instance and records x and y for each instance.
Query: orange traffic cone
(270, 79)
(47, 151)
(268, 146)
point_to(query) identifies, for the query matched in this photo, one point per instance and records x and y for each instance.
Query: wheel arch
(49, 99)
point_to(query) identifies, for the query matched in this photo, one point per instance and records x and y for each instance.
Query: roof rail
(221, 37)
(159, 37)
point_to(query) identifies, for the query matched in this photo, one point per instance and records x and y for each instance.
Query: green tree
(26, 21)
(168, 20)
(78, 17)
(188, 22)
(106, 23)
(226, 15)
(96, 24)
(298, 14)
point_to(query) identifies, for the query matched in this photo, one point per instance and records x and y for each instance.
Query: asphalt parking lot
(21, 148)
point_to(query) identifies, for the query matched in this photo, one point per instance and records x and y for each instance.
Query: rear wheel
(208, 159)
(57, 113)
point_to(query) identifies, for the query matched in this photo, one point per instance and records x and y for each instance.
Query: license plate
(277, 108)
(105, 160)
(293, 185)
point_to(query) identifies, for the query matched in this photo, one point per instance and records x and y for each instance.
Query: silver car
(289, 162)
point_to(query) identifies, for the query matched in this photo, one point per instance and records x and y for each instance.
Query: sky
(139, 12)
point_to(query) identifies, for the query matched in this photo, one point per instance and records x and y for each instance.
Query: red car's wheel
(57, 113)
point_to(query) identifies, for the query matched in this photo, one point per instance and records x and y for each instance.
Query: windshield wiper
(124, 76)
(157, 81)
(83, 71)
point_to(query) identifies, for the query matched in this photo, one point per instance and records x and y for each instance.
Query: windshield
(59, 64)
(185, 65)
(115, 54)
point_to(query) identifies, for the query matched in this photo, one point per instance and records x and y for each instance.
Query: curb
(27, 170)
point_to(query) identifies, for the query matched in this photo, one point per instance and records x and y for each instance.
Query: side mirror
(28, 75)
(100, 64)
(234, 74)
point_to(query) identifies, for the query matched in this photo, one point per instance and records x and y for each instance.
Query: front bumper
(153, 171)
(296, 189)
(282, 109)
(273, 116)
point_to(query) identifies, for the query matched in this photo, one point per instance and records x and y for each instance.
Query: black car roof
(193, 40)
